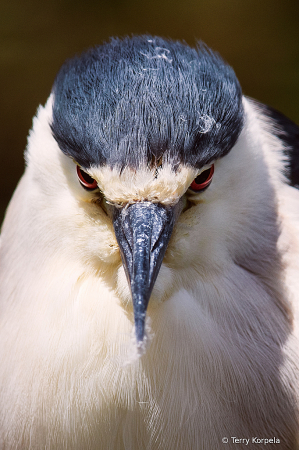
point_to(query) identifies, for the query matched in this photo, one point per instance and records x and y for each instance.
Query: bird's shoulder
(288, 131)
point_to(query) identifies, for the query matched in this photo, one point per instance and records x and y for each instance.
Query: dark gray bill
(143, 231)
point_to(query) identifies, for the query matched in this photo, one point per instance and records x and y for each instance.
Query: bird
(149, 275)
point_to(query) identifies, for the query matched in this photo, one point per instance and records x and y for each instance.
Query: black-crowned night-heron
(150, 176)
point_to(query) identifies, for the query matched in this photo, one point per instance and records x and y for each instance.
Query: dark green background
(259, 38)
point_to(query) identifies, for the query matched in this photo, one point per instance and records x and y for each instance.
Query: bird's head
(133, 149)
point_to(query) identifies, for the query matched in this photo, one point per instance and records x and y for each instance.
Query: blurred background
(259, 38)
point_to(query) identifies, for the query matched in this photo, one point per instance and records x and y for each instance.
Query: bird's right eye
(89, 183)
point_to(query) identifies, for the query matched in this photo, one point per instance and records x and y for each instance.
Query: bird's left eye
(203, 180)
(86, 180)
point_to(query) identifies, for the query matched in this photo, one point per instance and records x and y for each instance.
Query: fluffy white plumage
(223, 354)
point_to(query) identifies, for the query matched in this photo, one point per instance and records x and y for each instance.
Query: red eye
(86, 180)
(203, 180)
